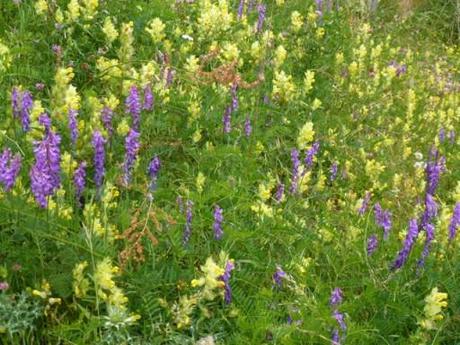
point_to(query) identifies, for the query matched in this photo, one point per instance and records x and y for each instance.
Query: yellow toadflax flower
(80, 283)
(211, 279)
(5, 58)
(109, 30)
(296, 21)
(73, 11)
(200, 179)
(41, 7)
(434, 303)
(309, 80)
(103, 276)
(156, 30)
(283, 87)
(306, 135)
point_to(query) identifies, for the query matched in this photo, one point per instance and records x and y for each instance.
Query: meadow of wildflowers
(229, 172)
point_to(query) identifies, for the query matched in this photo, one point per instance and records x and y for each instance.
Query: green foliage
(384, 87)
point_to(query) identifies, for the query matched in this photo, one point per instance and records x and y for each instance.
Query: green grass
(362, 120)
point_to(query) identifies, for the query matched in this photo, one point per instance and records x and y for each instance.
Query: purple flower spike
(106, 119)
(45, 173)
(339, 317)
(335, 300)
(233, 91)
(454, 222)
(45, 121)
(15, 96)
(452, 136)
(336, 297)
(240, 9)
(21, 104)
(333, 171)
(383, 219)
(247, 127)
(226, 279)
(26, 107)
(434, 168)
(262, 9)
(218, 219)
(148, 98)
(154, 169)
(133, 106)
(335, 338)
(365, 204)
(372, 244)
(409, 242)
(279, 193)
(295, 171)
(311, 153)
(132, 147)
(278, 276)
(98, 143)
(79, 179)
(429, 230)
(442, 135)
(188, 221)
(9, 169)
(226, 120)
(73, 127)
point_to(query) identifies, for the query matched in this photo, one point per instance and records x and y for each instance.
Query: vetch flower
(279, 195)
(333, 171)
(454, 222)
(230, 265)
(133, 106)
(364, 204)
(311, 153)
(79, 179)
(218, 219)
(148, 98)
(241, 9)
(226, 119)
(132, 147)
(435, 166)
(26, 107)
(383, 219)
(9, 169)
(336, 297)
(188, 222)
(262, 9)
(73, 127)
(45, 173)
(154, 169)
(233, 91)
(278, 276)
(372, 243)
(98, 142)
(247, 127)
(409, 242)
(429, 231)
(106, 119)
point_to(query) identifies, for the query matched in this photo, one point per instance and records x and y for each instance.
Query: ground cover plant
(229, 172)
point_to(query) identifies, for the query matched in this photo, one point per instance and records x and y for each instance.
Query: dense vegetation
(229, 172)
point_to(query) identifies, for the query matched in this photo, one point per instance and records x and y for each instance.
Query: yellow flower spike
(200, 180)
(280, 56)
(41, 7)
(156, 29)
(306, 135)
(109, 30)
(434, 303)
(283, 87)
